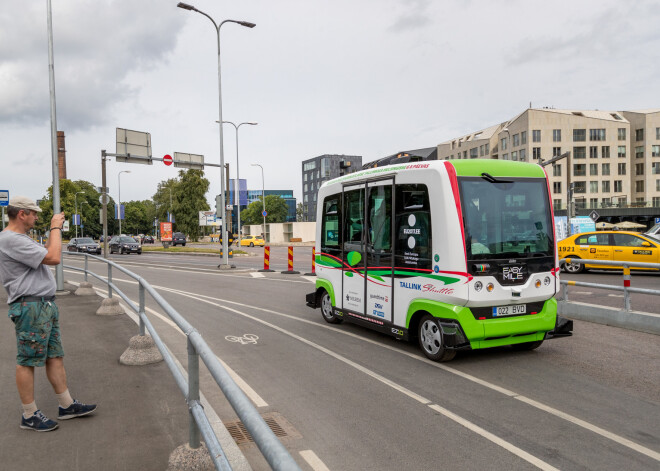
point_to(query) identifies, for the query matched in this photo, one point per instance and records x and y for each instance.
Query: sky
(354, 77)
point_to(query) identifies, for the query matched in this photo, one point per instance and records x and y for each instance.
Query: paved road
(353, 399)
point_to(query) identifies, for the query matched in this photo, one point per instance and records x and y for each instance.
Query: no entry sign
(167, 159)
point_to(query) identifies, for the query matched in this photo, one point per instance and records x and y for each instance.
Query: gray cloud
(414, 16)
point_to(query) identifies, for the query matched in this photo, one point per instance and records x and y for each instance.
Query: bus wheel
(326, 309)
(573, 267)
(527, 345)
(430, 340)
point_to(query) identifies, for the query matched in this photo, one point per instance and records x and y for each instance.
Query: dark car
(124, 244)
(83, 244)
(147, 239)
(178, 238)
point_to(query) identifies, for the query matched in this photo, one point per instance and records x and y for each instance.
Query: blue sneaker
(38, 422)
(77, 409)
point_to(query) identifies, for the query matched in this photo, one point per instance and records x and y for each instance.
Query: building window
(622, 169)
(655, 168)
(656, 199)
(556, 151)
(593, 152)
(639, 169)
(593, 202)
(309, 165)
(639, 152)
(556, 170)
(657, 186)
(557, 204)
(596, 134)
(622, 134)
(580, 187)
(556, 187)
(579, 152)
(487, 148)
(655, 151)
(514, 155)
(639, 186)
(556, 135)
(605, 152)
(593, 169)
(516, 140)
(536, 135)
(523, 137)
(505, 156)
(465, 154)
(593, 187)
(305, 199)
(579, 135)
(305, 187)
(523, 155)
(474, 153)
(622, 151)
(618, 186)
(503, 143)
(605, 169)
(481, 150)
(605, 186)
(639, 134)
(657, 134)
(579, 170)
(536, 153)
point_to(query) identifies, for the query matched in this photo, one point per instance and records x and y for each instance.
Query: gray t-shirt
(21, 270)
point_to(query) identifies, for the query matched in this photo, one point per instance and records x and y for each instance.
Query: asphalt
(141, 417)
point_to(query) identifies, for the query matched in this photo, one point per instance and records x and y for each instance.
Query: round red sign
(167, 159)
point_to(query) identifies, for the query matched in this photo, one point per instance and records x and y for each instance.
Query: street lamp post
(119, 195)
(263, 197)
(82, 226)
(225, 251)
(170, 218)
(238, 180)
(75, 199)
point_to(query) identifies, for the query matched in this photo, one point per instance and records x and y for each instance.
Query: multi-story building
(286, 195)
(319, 169)
(614, 157)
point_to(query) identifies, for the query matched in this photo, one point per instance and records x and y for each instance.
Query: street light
(75, 199)
(82, 226)
(225, 251)
(119, 191)
(238, 180)
(170, 218)
(262, 197)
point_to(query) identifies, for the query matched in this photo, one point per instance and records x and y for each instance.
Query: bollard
(266, 259)
(626, 285)
(313, 272)
(289, 270)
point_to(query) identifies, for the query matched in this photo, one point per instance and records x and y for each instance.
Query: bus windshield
(506, 218)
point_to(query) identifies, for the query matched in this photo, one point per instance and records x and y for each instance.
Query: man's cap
(23, 202)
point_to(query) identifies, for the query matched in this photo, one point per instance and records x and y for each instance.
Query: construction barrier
(313, 272)
(266, 259)
(290, 270)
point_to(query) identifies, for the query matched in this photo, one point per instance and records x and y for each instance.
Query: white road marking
(616, 295)
(581, 292)
(311, 279)
(313, 461)
(495, 439)
(245, 340)
(256, 274)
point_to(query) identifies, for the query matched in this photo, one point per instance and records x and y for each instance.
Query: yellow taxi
(252, 240)
(618, 246)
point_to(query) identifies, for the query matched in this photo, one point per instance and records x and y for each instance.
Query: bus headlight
(478, 285)
(490, 287)
(546, 280)
(537, 283)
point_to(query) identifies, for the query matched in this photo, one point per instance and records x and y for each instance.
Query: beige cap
(23, 202)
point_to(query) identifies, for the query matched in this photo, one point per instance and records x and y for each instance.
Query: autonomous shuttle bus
(457, 254)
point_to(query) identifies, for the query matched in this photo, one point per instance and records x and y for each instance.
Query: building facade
(612, 157)
(286, 195)
(322, 168)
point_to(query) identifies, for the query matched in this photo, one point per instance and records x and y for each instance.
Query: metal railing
(272, 449)
(626, 288)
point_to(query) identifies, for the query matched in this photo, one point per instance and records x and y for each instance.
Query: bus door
(378, 249)
(353, 283)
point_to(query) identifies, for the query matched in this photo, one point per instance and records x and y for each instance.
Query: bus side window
(331, 225)
(413, 226)
(353, 217)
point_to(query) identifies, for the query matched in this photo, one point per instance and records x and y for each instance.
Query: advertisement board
(166, 232)
(582, 224)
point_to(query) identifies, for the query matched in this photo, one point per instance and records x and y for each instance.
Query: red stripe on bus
(453, 180)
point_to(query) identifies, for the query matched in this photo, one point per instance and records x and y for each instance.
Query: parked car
(83, 244)
(147, 239)
(124, 244)
(617, 246)
(654, 231)
(252, 240)
(178, 238)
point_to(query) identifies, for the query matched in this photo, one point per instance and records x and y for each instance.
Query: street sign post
(167, 159)
(594, 216)
(264, 213)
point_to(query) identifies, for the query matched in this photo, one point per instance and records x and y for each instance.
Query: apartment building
(614, 158)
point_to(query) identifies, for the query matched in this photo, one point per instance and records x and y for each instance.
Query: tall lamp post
(225, 251)
(75, 199)
(170, 218)
(263, 197)
(82, 226)
(119, 194)
(238, 180)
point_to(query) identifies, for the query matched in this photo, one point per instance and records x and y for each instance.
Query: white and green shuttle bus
(456, 254)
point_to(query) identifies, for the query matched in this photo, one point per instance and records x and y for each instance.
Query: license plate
(512, 310)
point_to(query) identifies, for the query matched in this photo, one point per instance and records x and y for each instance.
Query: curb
(632, 320)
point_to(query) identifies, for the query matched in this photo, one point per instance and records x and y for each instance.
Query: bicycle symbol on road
(246, 339)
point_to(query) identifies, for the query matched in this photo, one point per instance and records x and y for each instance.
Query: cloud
(95, 49)
(416, 16)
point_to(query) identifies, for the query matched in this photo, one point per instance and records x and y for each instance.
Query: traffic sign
(107, 198)
(167, 159)
(594, 216)
(4, 198)
(264, 213)
(657, 221)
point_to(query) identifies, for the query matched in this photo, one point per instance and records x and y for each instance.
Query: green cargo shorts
(37, 332)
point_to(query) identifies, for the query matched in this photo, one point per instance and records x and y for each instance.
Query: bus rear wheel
(327, 311)
(430, 340)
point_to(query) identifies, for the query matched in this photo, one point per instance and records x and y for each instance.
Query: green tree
(163, 199)
(276, 208)
(189, 198)
(300, 212)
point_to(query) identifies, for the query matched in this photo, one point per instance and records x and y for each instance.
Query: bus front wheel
(430, 340)
(326, 309)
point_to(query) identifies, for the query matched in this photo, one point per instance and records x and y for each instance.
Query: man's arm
(54, 243)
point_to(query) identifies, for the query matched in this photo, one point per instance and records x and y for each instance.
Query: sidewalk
(141, 417)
